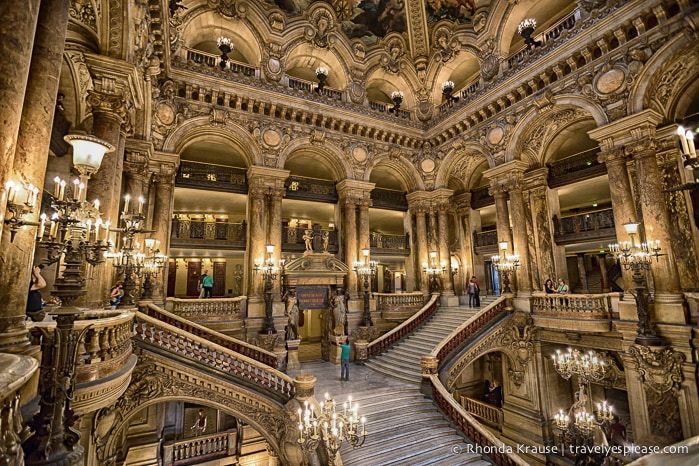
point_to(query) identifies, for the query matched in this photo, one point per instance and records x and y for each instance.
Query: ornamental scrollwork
(393, 56)
(446, 44)
(660, 370)
(321, 30)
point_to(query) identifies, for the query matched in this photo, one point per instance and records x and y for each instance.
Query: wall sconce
(691, 163)
(322, 75)
(225, 46)
(397, 98)
(19, 210)
(526, 29)
(447, 90)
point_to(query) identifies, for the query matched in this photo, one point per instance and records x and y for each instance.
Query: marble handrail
(200, 448)
(468, 328)
(393, 336)
(106, 345)
(251, 351)
(491, 415)
(15, 372)
(154, 331)
(214, 309)
(573, 306)
(388, 301)
(501, 453)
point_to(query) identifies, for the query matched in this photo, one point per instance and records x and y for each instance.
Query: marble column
(274, 231)
(16, 42)
(349, 228)
(28, 166)
(422, 252)
(655, 218)
(622, 199)
(603, 273)
(363, 241)
(520, 240)
(443, 243)
(543, 250)
(257, 239)
(582, 272)
(432, 230)
(164, 196)
(502, 217)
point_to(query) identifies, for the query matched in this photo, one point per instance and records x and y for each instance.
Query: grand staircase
(407, 428)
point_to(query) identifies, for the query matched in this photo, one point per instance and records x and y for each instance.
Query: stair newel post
(428, 366)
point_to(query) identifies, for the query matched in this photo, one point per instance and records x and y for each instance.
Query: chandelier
(505, 263)
(225, 46)
(331, 426)
(587, 366)
(433, 271)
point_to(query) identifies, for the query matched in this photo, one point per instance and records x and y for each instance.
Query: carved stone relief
(392, 58)
(446, 45)
(659, 369)
(321, 30)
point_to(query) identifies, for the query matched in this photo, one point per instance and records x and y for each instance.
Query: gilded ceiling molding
(393, 59)
(445, 43)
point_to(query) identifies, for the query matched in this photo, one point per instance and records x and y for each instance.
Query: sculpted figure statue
(339, 313)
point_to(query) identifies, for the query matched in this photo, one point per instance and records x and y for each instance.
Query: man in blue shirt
(344, 360)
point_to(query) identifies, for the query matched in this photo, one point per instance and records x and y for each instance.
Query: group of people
(550, 288)
(474, 292)
(205, 287)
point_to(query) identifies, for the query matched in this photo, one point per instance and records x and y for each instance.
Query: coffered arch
(200, 129)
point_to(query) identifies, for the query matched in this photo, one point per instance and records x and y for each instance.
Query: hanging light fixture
(397, 98)
(447, 90)
(526, 29)
(321, 74)
(225, 46)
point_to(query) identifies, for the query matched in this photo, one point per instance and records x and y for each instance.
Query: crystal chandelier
(586, 366)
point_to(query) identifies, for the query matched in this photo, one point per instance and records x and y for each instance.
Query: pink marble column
(257, 240)
(28, 166)
(16, 41)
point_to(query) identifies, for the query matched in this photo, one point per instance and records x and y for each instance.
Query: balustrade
(206, 310)
(553, 32)
(389, 199)
(184, 229)
(577, 167)
(394, 301)
(213, 60)
(105, 346)
(200, 448)
(485, 238)
(491, 415)
(199, 344)
(600, 220)
(392, 242)
(211, 177)
(573, 306)
(481, 197)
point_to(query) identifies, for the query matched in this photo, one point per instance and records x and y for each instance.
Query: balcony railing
(389, 199)
(203, 349)
(480, 197)
(553, 32)
(201, 448)
(210, 59)
(389, 243)
(465, 92)
(489, 414)
(384, 107)
(485, 238)
(573, 306)
(308, 86)
(208, 310)
(211, 177)
(310, 189)
(578, 167)
(219, 234)
(406, 328)
(592, 226)
(394, 301)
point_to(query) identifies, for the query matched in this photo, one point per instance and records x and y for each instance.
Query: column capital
(164, 166)
(355, 189)
(462, 202)
(623, 131)
(266, 178)
(537, 178)
(113, 104)
(613, 155)
(112, 76)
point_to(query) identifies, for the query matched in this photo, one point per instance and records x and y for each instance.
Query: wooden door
(171, 278)
(219, 279)
(193, 277)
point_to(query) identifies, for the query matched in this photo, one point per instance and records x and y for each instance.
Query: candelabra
(130, 261)
(76, 236)
(433, 270)
(322, 75)
(225, 46)
(691, 162)
(331, 427)
(269, 273)
(504, 264)
(365, 270)
(637, 258)
(526, 29)
(15, 211)
(397, 98)
(153, 262)
(578, 425)
(447, 90)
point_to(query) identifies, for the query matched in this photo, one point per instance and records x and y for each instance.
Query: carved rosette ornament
(660, 369)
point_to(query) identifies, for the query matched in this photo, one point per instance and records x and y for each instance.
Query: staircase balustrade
(153, 330)
(406, 328)
(399, 301)
(491, 415)
(201, 448)
(249, 351)
(501, 453)
(574, 306)
(207, 310)
(491, 312)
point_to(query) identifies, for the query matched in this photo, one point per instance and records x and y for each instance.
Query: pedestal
(292, 354)
(360, 351)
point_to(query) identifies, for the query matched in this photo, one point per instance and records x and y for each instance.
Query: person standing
(207, 284)
(548, 286)
(115, 295)
(35, 303)
(562, 287)
(344, 360)
(472, 292)
(477, 295)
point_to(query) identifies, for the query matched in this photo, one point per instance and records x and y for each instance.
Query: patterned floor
(309, 352)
